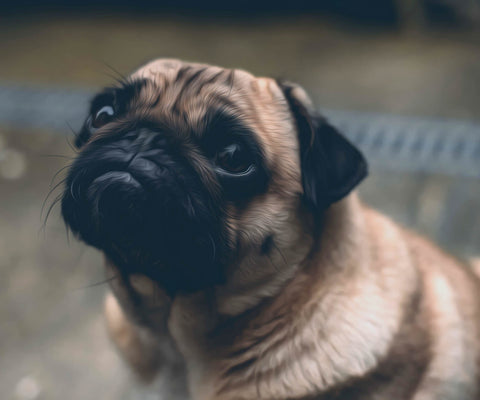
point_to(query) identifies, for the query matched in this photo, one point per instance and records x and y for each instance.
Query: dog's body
(379, 313)
(308, 294)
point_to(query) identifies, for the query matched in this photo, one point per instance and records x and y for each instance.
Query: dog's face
(196, 176)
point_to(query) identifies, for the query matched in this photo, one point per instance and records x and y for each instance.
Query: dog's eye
(103, 116)
(234, 158)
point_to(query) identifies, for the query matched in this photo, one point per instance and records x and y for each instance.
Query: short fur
(308, 294)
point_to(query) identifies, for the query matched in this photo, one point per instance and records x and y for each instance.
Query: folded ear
(331, 165)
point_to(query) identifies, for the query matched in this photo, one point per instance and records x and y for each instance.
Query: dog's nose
(116, 200)
(145, 139)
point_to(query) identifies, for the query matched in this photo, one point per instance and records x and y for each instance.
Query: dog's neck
(330, 322)
(261, 275)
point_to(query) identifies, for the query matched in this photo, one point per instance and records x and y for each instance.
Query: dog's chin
(146, 223)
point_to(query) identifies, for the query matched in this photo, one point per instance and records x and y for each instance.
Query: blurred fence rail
(391, 142)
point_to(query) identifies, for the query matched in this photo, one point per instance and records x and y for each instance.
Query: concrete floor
(53, 343)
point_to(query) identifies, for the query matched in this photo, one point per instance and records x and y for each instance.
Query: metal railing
(415, 144)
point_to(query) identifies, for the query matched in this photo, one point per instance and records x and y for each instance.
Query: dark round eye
(103, 116)
(234, 158)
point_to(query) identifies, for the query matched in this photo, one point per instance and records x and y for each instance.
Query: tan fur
(368, 310)
(133, 344)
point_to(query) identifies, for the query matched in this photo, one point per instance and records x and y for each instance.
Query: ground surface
(53, 343)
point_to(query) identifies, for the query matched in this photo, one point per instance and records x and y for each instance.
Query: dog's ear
(331, 165)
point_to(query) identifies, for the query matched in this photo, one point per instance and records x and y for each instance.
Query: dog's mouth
(147, 211)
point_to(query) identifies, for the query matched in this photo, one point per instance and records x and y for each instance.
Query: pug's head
(197, 176)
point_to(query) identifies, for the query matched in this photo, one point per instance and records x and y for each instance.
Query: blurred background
(401, 78)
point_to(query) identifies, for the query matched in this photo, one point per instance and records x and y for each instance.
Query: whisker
(49, 194)
(214, 247)
(54, 203)
(118, 81)
(72, 146)
(73, 131)
(73, 186)
(99, 283)
(56, 156)
(58, 172)
(120, 77)
(67, 233)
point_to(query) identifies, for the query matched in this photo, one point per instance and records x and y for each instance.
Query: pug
(243, 264)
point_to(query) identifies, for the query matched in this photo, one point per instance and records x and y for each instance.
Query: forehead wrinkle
(148, 96)
(195, 113)
(217, 108)
(213, 78)
(184, 83)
